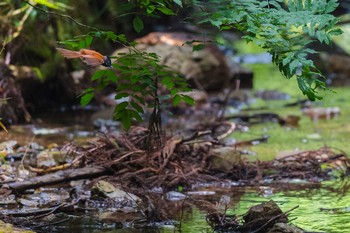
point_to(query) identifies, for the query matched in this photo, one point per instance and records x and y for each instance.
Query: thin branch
(63, 16)
(274, 218)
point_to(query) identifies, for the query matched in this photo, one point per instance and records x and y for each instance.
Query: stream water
(325, 209)
(321, 209)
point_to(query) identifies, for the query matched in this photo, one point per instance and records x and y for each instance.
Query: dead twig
(274, 218)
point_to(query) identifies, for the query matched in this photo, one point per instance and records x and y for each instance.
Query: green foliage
(149, 8)
(284, 28)
(13, 16)
(136, 75)
(137, 24)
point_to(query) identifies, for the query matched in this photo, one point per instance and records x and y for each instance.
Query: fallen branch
(58, 177)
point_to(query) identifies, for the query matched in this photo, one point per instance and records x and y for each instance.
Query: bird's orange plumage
(89, 57)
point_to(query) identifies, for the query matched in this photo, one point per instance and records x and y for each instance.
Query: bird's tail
(69, 53)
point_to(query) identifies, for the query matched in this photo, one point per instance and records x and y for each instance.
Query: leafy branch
(60, 15)
(284, 28)
(136, 76)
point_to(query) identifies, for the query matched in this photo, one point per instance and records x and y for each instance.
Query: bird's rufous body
(89, 57)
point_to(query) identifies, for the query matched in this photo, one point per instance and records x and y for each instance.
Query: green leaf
(137, 24)
(198, 47)
(166, 10)
(121, 95)
(109, 35)
(54, 5)
(136, 107)
(173, 92)
(166, 80)
(178, 2)
(150, 9)
(98, 75)
(126, 121)
(88, 40)
(121, 106)
(177, 99)
(82, 44)
(86, 98)
(135, 115)
(189, 100)
(122, 38)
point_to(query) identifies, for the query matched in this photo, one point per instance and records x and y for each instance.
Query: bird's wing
(91, 60)
(69, 53)
(91, 53)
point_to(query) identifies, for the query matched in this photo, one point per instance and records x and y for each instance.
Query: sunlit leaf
(166, 10)
(178, 2)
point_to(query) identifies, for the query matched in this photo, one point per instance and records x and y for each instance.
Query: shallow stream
(321, 209)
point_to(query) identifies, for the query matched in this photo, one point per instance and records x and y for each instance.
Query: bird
(89, 57)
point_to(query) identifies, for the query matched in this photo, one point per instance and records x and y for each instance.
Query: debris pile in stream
(202, 158)
(265, 217)
(183, 162)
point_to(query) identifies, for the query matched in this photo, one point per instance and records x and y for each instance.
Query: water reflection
(317, 207)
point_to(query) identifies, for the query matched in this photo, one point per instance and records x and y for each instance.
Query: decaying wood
(58, 177)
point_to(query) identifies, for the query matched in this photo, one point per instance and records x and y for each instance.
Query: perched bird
(89, 57)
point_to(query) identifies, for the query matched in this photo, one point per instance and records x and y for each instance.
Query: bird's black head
(107, 62)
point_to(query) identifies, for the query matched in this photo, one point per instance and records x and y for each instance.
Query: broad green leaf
(82, 44)
(136, 107)
(88, 40)
(178, 2)
(173, 92)
(121, 106)
(166, 10)
(176, 100)
(111, 76)
(135, 115)
(137, 24)
(110, 35)
(122, 38)
(189, 100)
(198, 47)
(121, 95)
(126, 121)
(150, 9)
(98, 75)
(166, 80)
(86, 98)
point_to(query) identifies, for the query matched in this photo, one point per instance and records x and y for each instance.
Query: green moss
(309, 135)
